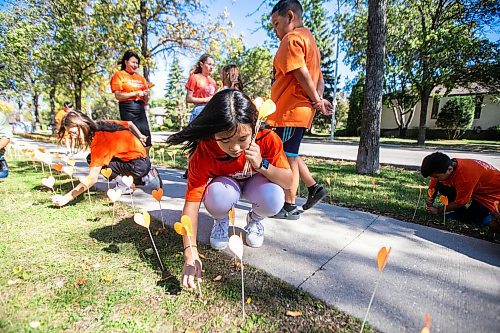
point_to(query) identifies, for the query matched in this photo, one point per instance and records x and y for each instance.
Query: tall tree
(433, 43)
(369, 143)
(175, 94)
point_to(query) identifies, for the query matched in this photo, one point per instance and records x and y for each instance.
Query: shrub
(456, 116)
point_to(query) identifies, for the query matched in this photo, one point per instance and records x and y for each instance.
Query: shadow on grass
(167, 243)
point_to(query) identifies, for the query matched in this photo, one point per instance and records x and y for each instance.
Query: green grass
(68, 269)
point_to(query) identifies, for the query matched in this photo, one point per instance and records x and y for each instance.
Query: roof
(158, 111)
(473, 89)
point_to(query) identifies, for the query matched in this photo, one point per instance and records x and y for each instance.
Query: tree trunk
(36, 113)
(369, 142)
(78, 95)
(424, 103)
(144, 39)
(52, 100)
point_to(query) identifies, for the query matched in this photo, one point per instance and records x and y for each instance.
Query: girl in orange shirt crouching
(118, 145)
(220, 140)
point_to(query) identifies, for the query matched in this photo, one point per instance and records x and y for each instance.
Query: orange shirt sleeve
(100, 155)
(272, 149)
(116, 82)
(198, 174)
(192, 83)
(291, 54)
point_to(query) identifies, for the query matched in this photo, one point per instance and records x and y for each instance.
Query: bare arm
(4, 142)
(452, 206)
(302, 75)
(139, 93)
(191, 209)
(195, 100)
(61, 200)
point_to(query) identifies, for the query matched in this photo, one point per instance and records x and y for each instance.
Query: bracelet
(189, 247)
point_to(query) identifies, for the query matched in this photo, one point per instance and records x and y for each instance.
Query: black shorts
(291, 137)
(134, 111)
(137, 168)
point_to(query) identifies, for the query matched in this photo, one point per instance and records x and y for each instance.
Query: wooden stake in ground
(334, 179)
(158, 194)
(418, 202)
(162, 151)
(129, 181)
(185, 228)
(444, 200)
(383, 255)
(236, 246)
(114, 195)
(144, 220)
(106, 173)
(172, 154)
(86, 182)
(58, 167)
(68, 169)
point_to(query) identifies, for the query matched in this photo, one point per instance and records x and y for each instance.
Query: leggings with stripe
(222, 193)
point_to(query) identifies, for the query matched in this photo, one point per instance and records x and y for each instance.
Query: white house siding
(490, 115)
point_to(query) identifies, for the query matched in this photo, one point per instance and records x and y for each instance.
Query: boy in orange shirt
(463, 180)
(296, 90)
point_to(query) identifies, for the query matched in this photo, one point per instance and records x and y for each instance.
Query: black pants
(475, 213)
(137, 168)
(134, 111)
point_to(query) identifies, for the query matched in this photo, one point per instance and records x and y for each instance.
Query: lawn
(71, 269)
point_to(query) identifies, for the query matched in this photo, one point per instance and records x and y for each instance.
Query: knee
(221, 195)
(271, 200)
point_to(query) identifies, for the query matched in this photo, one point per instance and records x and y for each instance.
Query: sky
(239, 13)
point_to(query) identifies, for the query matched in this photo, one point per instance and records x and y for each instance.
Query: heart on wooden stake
(106, 172)
(56, 155)
(85, 181)
(114, 195)
(267, 108)
(430, 192)
(258, 102)
(128, 180)
(142, 219)
(42, 150)
(382, 256)
(72, 162)
(231, 215)
(157, 194)
(444, 200)
(58, 167)
(427, 328)
(327, 180)
(49, 182)
(236, 246)
(184, 226)
(68, 170)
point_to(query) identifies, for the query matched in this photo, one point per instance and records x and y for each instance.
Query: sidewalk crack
(338, 252)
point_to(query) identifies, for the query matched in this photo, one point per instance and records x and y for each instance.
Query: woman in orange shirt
(200, 86)
(115, 144)
(220, 141)
(132, 92)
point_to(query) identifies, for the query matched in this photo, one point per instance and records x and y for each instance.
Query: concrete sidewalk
(331, 253)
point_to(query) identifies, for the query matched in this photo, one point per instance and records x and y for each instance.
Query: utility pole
(334, 102)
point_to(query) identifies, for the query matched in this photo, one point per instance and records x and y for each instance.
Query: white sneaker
(219, 237)
(153, 179)
(122, 186)
(255, 232)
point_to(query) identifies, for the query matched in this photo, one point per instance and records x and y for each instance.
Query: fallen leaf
(382, 256)
(217, 278)
(249, 300)
(106, 278)
(13, 282)
(79, 282)
(294, 313)
(190, 330)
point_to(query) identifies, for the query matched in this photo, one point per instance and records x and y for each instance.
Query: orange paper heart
(327, 180)
(430, 192)
(49, 182)
(231, 215)
(427, 328)
(106, 172)
(58, 167)
(496, 206)
(382, 256)
(157, 194)
(184, 226)
(142, 219)
(444, 199)
(42, 150)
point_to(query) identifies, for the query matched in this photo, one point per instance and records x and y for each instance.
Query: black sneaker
(312, 199)
(287, 215)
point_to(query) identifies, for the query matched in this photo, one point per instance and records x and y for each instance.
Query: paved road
(331, 253)
(406, 156)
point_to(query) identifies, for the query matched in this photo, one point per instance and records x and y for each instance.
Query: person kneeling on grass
(115, 144)
(464, 180)
(220, 141)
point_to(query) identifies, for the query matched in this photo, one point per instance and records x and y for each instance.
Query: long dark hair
(129, 54)
(197, 68)
(225, 111)
(231, 74)
(87, 126)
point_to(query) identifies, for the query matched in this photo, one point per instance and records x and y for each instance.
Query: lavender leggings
(222, 193)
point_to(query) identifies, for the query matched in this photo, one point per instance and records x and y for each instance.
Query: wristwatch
(264, 164)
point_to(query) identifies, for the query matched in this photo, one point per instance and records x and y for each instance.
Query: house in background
(158, 115)
(486, 113)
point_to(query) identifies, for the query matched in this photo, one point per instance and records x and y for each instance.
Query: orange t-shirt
(125, 82)
(59, 116)
(202, 86)
(120, 144)
(473, 179)
(209, 161)
(293, 107)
